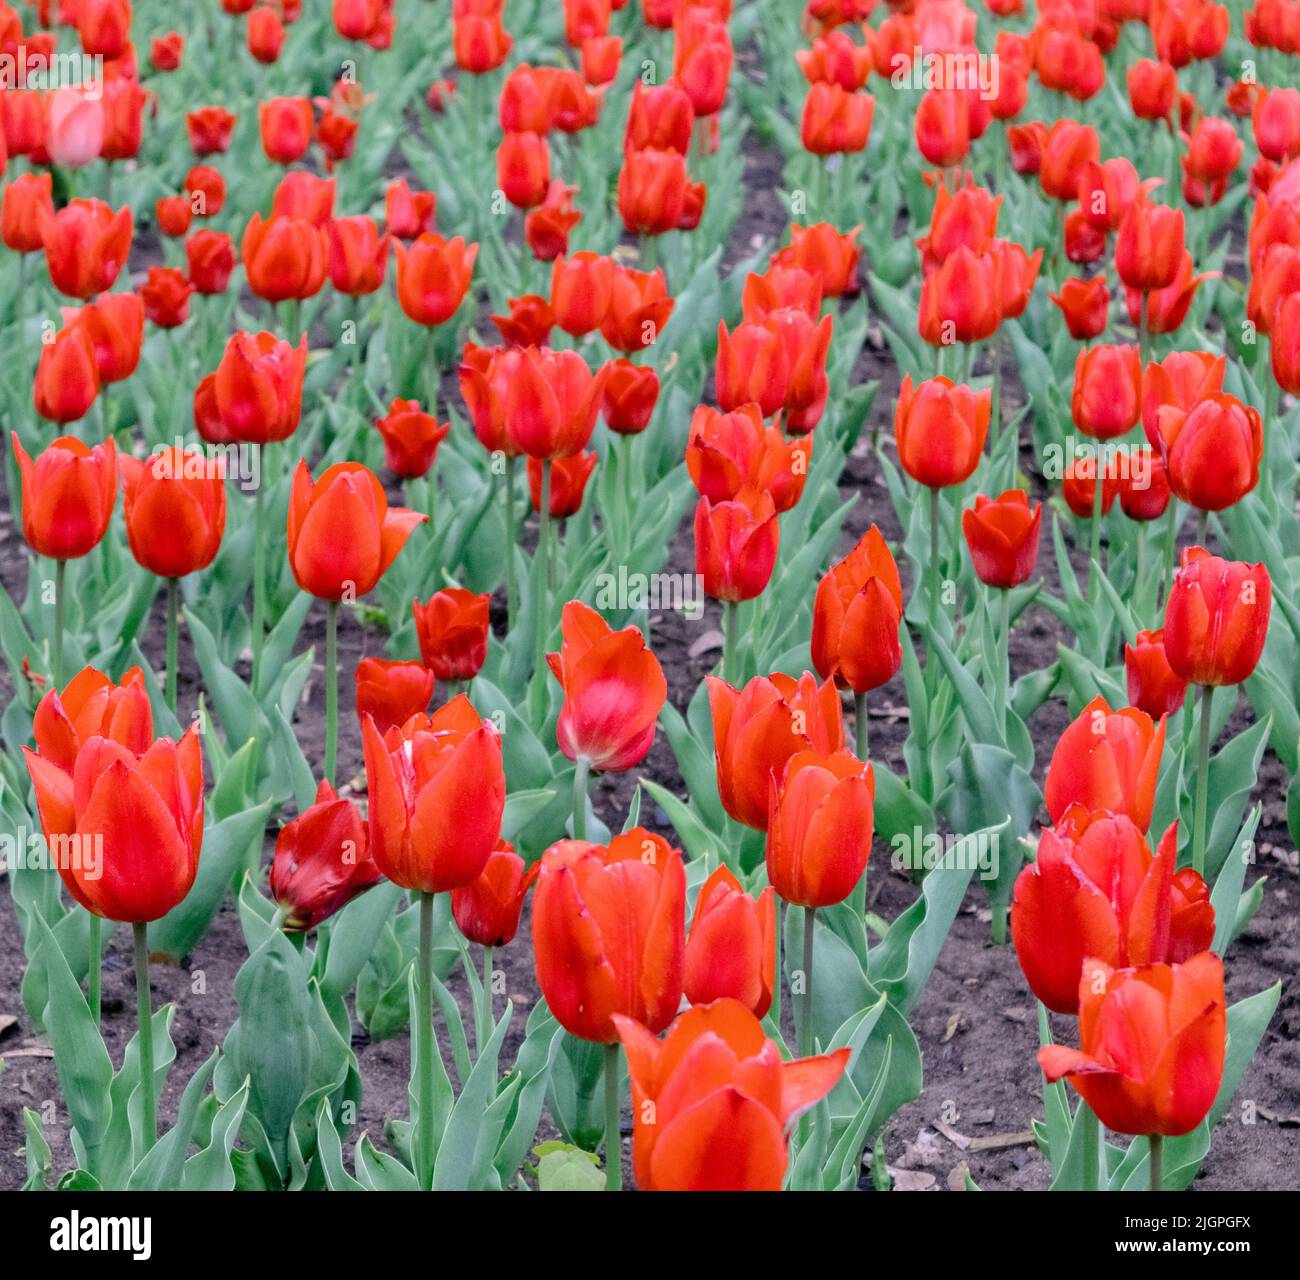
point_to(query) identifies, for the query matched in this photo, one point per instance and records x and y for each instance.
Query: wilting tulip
(390, 693)
(437, 793)
(1107, 391)
(1085, 304)
(1216, 618)
(756, 730)
(115, 326)
(258, 387)
(27, 207)
(283, 257)
(1095, 890)
(68, 496)
(631, 393)
(487, 910)
(609, 933)
(580, 292)
(551, 403)
(433, 277)
(614, 689)
(722, 1100)
(1002, 534)
(856, 615)
(145, 813)
(569, 478)
(1153, 685)
(820, 819)
(322, 861)
(286, 128)
(1107, 760)
(210, 130)
(731, 946)
(86, 246)
(736, 545)
(1153, 1042)
(452, 630)
(411, 438)
(728, 452)
(1149, 247)
(753, 367)
(940, 428)
(67, 376)
(175, 508)
(210, 257)
(1214, 451)
(655, 195)
(342, 533)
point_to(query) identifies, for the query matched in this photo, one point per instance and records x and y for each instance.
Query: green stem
(1171, 543)
(60, 570)
(1202, 527)
(806, 1021)
(1094, 549)
(331, 688)
(93, 974)
(860, 728)
(1144, 327)
(541, 571)
(1157, 1143)
(730, 614)
(259, 563)
(613, 1144)
(581, 768)
(511, 539)
(173, 608)
(424, 1048)
(487, 988)
(1091, 1146)
(932, 569)
(1202, 782)
(1004, 677)
(148, 1102)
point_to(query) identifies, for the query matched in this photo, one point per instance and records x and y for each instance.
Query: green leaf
(565, 1168)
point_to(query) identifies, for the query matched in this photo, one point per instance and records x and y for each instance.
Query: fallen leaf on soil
(1016, 1013)
(708, 641)
(957, 1176)
(959, 1140)
(954, 1021)
(923, 1150)
(912, 1179)
(998, 1141)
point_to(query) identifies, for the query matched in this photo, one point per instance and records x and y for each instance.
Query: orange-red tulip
(835, 120)
(115, 326)
(1085, 304)
(1002, 534)
(487, 910)
(551, 402)
(68, 496)
(1214, 451)
(524, 168)
(1216, 618)
(286, 128)
(408, 214)
(390, 693)
(27, 206)
(655, 195)
(452, 629)
(940, 428)
(257, 387)
(1149, 247)
(736, 543)
(731, 946)
(728, 452)
(283, 257)
(1180, 381)
(639, 307)
(210, 130)
(433, 277)
(411, 438)
(86, 246)
(529, 323)
(961, 299)
(580, 292)
(356, 255)
(92, 706)
(210, 258)
(753, 367)
(631, 393)
(1107, 391)
(569, 478)
(67, 376)
(821, 249)
(1066, 148)
(1153, 685)
(174, 503)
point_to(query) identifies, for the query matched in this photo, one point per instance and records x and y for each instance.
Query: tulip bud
(1216, 618)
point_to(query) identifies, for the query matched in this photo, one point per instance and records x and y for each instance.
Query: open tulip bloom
(466, 607)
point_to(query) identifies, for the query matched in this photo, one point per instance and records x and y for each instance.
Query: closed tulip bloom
(1274, 277)
(969, 218)
(736, 543)
(655, 195)
(836, 59)
(639, 307)
(631, 393)
(569, 478)
(961, 300)
(258, 387)
(660, 118)
(1152, 87)
(437, 792)
(210, 130)
(22, 113)
(342, 533)
(433, 277)
(104, 27)
(940, 428)
(1284, 345)
(123, 106)
(1017, 272)
(1025, 142)
(728, 452)
(1096, 891)
(302, 196)
(614, 689)
(1107, 190)
(1213, 150)
(390, 693)
(757, 729)
(1066, 148)
(731, 946)
(67, 376)
(486, 376)
(524, 168)
(1149, 247)
(1107, 760)
(283, 257)
(722, 1100)
(1180, 381)
(942, 126)
(1167, 308)
(856, 615)
(174, 215)
(835, 121)
(175, 508)
(411, 438)
(821, 250)
(408, 214)
(145, 812)
(452, 630)
(264, 33)
(609, 933)
(1153, 1041)
(1079, 488)
(480, 43)
(210, 259)
(1144, 492)
(206, 189)
(165, 51)
(753, 367)
(1216, 618)
(820, 819)
(68, 496)
(487, 910)
(1085, 304)
(1107, 392)
(807, 345)
(702, 57)
(27, 205)
(92, 706)
(86, 246)
(1153, 685)
(1002, 535)
(1276, 119)
(601, 56)
(74, 128)
(115, 326)
(322, 861)
(1083, 242)
(551, 402)
(529, 322)
(580, 292)
(546, 228)
(286, 128)
(1214, 452)
(355, 255)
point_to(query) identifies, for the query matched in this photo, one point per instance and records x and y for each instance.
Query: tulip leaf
(39, 1158)
(329, 1152)
(1226, 897)
(469, 1142)
(163, 1167)
(533, 1065)
(212, 1167)
(696, 839)
(353, 934)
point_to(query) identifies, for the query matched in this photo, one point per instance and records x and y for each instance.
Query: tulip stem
(259, 563)
(511, 536)
(806, 1022)
(331, 688)
(1094, 549)
(1202, 782)
(541, 568)
(932, 602)
(1157, 1142)
(860, 724)
(424, 1048)
(581, 768)
(730, 614)
(1004, 676)
(1202, 527)
(487, 995)
(1092, 1145)
(60, 570)
(93, 975)
(1171, 543)
(613, 1144)
(173, 608)
(1144, 326)
(148, 1101)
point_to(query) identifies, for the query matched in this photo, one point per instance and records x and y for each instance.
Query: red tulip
(820, 249)
(408, 214)
(258, 387)
(1214, 452)
(390, 693)
(210, 256)
(551, 402)
(702, 57)
(68, 496)
(210, 130)
(580, 292)
(1276, 119)
(736, 545)
(1002, 534)
(728, 452)
(67, 376)
(165, 51)
(731, 947)
(1149, 247)
(1284, 345)
(115, 326)
(1085, 304)
(856, 615)
(1216, 618)
(1144, 492)
(433, 277)
(569, 478)
(27, 207)
(452, 629)
(411, 438)
(655, 195)
(1180, 381)
(753, 366)
(1066, 148)
(487, 910)
(546, 228)
(940, 428)
(286, 128)
(961, 299)
(524, 168)
(301, 196)
(631, 393)
(265, 35)
(529, 323)
(175, 509)
(75, 127)
(1107, 391)
(283, 257)
(1153, 685)
(86, 246)
(639, 307)
(835, 120)
(92, 706)
(660, 118)
(123, 110)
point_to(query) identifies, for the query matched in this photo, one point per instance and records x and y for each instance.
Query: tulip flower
(356, 255)
(753, 367)
(1144, 492)
(86, 246)
(1149, 246)
(569, 478)
(1284, 345)
(731, 946)
(940, 428)
(480, 41)
(660, 118)
(529, 323)
(1095, 890)
(729, 452)
(639, 307)
(1216, 619)
(1152, 1043)
(546, 228)
(1079, 485)
(283, 257)
(835, 59)
(67, 376)
(736, 544)
(74, 128)
(165, 51)
(1107, 391)
(92, 706)
(1276, 121)
(721, 1099)
(27, 206)
(821, 250)
(961, 300)
(1066, 148)
(1107, 760)
(551, 403)
(655, 195)
(452, 630)
(390, 693)
(580, 292)
(1180, 381)
(702, 58)
(1214, 451)
(487, 910)
(408, 214)
(1085, 304)
(411, 438)
(258, 387)
(210, 130)
(1025, 142)
(631, 393)
(286, 128)
(1084, 244)
(1153, 685)
(1002, 535)
(322, 861)
(969, 218)
(433, 277)
(757, 729)
(836, 121)
(123, 107)
(942, 126)
(115, 326)
(174, 215)
(210, 259)
(68, 496)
